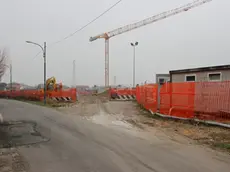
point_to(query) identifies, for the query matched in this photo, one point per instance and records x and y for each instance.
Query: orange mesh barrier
(70, 94)
(151, 97)
(202, 100)
(39, 94)
(21, 94)
(146, 95)
(212, 101)
(123, 91)
(138, 96)
(177, 99)
(142, 93)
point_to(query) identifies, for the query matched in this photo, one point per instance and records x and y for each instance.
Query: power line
(72, 34)
(37, 54)
(83, 27)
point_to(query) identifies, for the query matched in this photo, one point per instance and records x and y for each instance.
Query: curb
(197, 120)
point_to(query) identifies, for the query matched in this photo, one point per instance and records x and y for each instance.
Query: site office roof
(201, 69)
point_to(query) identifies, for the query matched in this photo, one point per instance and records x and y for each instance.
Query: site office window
(190, 78)
(163, 80)
(215, 76)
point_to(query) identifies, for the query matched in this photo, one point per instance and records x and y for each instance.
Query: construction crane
(139, 24)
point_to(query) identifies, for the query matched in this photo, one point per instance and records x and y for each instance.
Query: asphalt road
(73, 144)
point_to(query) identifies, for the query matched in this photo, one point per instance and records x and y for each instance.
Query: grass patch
(223, 145)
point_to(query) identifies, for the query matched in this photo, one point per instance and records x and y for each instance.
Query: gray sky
(196, 38)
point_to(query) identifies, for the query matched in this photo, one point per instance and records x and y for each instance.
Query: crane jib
(152, 19)
(139, 24)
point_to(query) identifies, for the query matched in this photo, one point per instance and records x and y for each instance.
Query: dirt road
(100, 136)
(129, 116)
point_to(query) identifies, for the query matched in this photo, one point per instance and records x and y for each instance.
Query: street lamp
(134, 46)
(44, 57)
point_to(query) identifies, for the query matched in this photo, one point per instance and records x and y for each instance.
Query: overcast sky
(199, 37)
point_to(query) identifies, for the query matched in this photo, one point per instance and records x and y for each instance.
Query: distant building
(212, 73)
(82, 87)
(162, 78)
(3, 86)
(15, 86)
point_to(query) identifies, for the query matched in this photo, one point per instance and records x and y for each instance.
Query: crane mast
(139, 24)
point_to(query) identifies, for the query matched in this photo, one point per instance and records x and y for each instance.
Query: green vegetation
(223, 145)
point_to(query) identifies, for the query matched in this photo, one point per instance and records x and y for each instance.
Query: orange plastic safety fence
(123, 91)
(70, 94)
(146, 95)
(151, 97)
(138, 96)
(212, 101)
(177, 99)
(39, 95)
(202, 100)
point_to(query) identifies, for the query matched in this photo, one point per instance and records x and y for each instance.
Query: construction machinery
(51, 84)
(139, 24)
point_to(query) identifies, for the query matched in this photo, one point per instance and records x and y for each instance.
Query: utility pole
(115, 80)
(11, 79)
(74, 74)
(134, 61)
(44, 59)
(44, 56)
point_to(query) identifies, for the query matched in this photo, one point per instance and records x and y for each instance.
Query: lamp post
(134, 53)
(44, 58)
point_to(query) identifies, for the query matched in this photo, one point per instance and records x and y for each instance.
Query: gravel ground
(12, 161)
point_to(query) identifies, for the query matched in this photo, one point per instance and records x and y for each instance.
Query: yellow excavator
(51, 84)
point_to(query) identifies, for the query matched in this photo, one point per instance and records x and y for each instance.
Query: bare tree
(3, 62)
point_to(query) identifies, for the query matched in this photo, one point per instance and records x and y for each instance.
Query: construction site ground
(125, 116)
(129, 117)
(12, 161)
